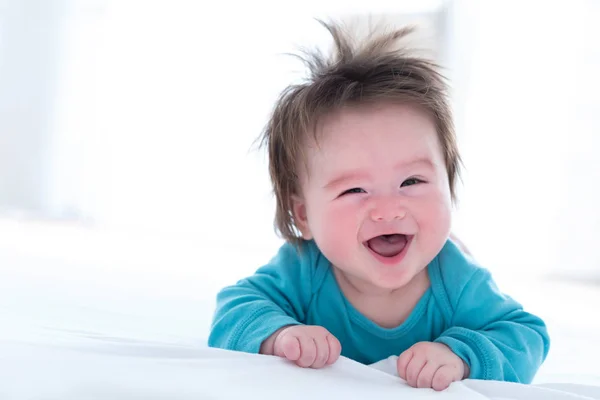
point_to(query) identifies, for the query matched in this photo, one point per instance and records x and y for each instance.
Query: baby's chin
(372, 280)
(400, 282)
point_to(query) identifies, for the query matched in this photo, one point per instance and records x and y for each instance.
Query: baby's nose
(387, 210)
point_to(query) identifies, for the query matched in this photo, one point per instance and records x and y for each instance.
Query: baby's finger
(414, 368)
(425, 378)
(308, 351)
(403, 361)
(443, 377)
(335, 349)
(322, 352)
(288, 347)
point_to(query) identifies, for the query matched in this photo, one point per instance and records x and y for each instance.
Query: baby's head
(363, 159)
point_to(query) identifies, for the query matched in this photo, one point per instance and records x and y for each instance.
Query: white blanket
(81, 367)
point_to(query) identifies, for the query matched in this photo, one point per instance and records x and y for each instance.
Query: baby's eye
(411, 181)
(353, 190)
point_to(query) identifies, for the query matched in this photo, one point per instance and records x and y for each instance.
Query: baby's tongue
(387, 245)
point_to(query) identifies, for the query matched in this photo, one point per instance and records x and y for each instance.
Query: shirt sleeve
(277, 295)
(493, 334)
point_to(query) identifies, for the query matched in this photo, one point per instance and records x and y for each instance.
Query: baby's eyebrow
(344, 177)
(415, 161)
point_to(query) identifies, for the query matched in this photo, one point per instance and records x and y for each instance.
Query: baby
(364, 163)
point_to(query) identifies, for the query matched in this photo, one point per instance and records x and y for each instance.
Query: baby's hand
(307, 346)
(431, 365)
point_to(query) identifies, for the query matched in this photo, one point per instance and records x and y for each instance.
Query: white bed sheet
(126, 370)
(93, 316)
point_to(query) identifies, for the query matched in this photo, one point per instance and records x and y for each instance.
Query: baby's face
(376, 198)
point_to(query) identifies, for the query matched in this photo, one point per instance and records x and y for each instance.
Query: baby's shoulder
(452, 271)
(303, 261)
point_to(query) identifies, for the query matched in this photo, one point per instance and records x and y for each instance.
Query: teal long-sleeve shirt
(463, 308)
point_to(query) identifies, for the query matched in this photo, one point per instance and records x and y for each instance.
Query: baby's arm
(255, 307)
(263, 313)
(492, 333)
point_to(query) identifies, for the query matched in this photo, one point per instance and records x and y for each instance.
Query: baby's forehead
(373, 114)
(350, 131)
(359, 126)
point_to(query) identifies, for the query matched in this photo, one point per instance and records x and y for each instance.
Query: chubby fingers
(443, 377)
(308, 346)
(335, 349)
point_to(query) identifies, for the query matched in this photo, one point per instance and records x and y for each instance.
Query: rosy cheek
(437, 216)
(344, 212)
(334, 230)
(432, 208)
(342, 217)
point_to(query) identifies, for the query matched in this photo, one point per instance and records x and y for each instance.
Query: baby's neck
(386, 308)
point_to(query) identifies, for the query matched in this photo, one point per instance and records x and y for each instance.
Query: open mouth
(388, 245)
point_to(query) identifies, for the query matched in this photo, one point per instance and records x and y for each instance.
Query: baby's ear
(300, 218)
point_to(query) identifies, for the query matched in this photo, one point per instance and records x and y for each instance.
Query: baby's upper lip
(385, 233)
